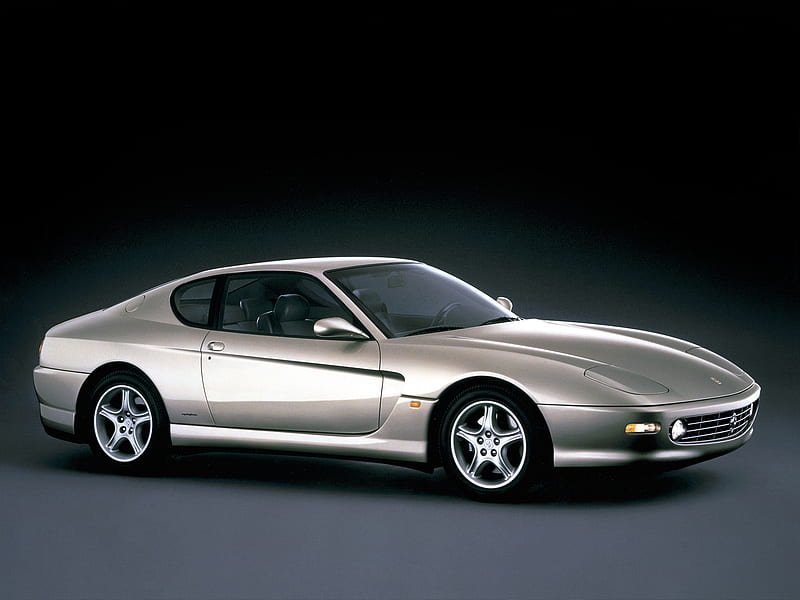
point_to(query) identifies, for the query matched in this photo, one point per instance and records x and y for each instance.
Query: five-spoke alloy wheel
(486, 443)
(128, 422)
(122, 423)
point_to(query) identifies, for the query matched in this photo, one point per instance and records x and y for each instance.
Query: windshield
(412, 298)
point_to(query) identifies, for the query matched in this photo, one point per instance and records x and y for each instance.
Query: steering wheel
(441, 316)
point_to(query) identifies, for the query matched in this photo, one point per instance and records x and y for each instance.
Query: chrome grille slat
(714, 435)
(706, 419)
(724, 425)
(717, 427)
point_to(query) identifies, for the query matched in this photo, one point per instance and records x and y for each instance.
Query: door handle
(216, 346)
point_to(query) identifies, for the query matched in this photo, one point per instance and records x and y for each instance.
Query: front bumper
(594, 436)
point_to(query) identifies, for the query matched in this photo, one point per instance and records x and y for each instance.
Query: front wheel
(487, 444)
(128, 428)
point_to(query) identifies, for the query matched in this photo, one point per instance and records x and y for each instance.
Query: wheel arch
(544, 451)
(83, 405)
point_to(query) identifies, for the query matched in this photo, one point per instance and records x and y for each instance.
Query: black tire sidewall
(159, 445)
(522, 482)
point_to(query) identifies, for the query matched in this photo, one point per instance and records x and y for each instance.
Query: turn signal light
(642, 428)
(415, 404)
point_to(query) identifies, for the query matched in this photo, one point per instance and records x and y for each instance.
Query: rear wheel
(129, 428)
(487, 444)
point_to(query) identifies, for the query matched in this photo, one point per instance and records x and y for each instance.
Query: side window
(278, 303)
(192, 301)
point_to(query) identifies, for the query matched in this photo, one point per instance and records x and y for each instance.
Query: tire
(127, 425)
(491, 463)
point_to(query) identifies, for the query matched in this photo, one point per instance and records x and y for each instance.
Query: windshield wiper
(449, 328)
(500, 320)
(432, 330)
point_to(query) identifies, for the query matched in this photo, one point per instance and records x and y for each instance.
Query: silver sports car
(382, 359)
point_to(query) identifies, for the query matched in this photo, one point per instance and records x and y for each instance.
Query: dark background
(658, 195)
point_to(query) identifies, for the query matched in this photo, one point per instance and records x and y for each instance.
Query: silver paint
(351, 397)
(339, 328)
(293, 384)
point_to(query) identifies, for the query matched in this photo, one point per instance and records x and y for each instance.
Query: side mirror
(505, 302)
(337, 327)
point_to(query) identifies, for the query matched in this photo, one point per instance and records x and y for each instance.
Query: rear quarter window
(192, 301)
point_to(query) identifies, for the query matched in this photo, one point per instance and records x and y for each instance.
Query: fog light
(642, 428)
(677, 430)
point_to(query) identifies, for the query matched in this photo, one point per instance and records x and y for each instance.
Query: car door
(274, 381)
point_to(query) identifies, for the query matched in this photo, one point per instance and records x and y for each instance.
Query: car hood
(657, 357)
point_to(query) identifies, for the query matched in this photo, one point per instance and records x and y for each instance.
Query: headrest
(371, 299)
(254, 307)
(264, 322)
(291, 307)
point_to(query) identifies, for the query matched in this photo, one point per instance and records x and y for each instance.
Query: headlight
(677, 429)
(625, 381)
(715, 359)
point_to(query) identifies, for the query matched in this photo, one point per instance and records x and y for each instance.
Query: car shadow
(564, 487)
(618, 486)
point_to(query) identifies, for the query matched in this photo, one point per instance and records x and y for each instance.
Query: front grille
(716, 427)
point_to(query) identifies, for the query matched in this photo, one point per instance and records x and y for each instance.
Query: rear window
(192, 301)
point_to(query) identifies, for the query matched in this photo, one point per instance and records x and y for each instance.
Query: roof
(305, 265)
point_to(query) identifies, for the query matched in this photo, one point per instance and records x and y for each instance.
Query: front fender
(546, 377)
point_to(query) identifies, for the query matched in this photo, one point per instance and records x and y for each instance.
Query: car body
(353, 357)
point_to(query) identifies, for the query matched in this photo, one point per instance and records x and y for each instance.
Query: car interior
(401, 301)
(278, 304)
(288, 304)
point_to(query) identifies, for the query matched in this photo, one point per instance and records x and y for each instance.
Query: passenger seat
(289, 317)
